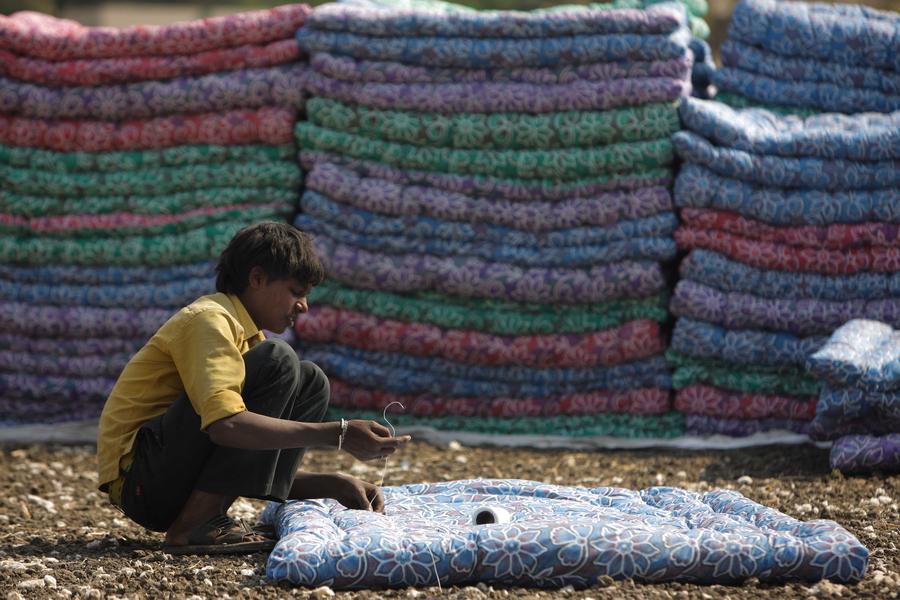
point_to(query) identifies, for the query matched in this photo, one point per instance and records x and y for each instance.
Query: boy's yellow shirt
(198, 350)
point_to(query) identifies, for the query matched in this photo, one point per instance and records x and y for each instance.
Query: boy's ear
(256, 278)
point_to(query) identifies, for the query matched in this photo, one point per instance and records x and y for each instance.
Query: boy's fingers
(380, 429)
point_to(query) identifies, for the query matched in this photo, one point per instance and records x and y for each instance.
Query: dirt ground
(61, 539)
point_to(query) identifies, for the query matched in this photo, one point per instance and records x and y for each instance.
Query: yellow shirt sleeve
(209, 362)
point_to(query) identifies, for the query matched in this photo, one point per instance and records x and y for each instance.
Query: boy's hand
(354, 493)
(366, 440)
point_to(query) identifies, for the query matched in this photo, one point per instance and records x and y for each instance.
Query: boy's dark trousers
(173, 457)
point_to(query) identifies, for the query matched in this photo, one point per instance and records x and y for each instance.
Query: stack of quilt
(800, 58)
(489, 192)
(792, 227)
(859, 406)
(128, 158)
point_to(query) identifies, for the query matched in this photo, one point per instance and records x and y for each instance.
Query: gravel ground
(61, 539)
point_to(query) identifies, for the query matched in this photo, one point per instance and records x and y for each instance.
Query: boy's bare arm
(253, 431)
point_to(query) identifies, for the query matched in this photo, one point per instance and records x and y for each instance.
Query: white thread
(384, 472)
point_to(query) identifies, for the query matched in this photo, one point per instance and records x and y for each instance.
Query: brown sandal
(222, 535)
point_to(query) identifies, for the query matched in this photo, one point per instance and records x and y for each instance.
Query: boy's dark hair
(280, 249)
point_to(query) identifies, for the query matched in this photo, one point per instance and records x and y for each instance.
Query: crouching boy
(209, 410)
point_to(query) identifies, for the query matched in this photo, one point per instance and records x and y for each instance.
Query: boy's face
(275, 304)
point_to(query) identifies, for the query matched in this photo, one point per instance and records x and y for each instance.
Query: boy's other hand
(366, 440)
(355, 493)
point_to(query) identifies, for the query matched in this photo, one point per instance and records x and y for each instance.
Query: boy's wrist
(342, 433)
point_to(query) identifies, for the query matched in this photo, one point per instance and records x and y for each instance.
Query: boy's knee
(280, 354)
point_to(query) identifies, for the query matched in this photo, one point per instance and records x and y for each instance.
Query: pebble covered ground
(59, 538)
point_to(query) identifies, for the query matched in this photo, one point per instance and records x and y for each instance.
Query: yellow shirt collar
(251, 330)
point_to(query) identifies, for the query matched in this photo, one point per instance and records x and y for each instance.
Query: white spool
(488, 515)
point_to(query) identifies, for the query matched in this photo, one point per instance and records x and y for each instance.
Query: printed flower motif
(732, 556)
(625, 553)
(511, 553)
(300, 562)
(404, 562)
(840, 556)
(575, 543)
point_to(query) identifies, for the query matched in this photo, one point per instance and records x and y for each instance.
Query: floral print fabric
(247, 88)
(861, 454)
(35, 34)
(557, 536)
(268, 125)
(862, 353)
(498, 130)
(719, 402)
(105, 71)
(631, 341)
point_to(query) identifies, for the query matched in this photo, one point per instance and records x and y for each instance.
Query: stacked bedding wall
(800, 58)
(128, 158)
(792, 227)
(489, 191)
(859, 406)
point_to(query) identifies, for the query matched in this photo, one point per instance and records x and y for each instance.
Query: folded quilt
(43, 36)
(268, 125)
(106, 275)
(828, 428)
(248, 88)
(862, 353)
(717, 402)
(805, 173)
(62, 347)
(492, 316)
(825, 97)
(632, 341)
(350, 69)
(107, 211)
(762, 61)
(838, 236)
(735, 100)
(85, 395)
(644, 401)
(421, 201)
(705, 425)
(135, 160)
(482, 279)
(668, 425)
(864, 137)
(434, 21)
(699, 187)
(108, 366)
(780, 381)
(851, 403)
(195, 245)
(850, 34)
(472, 52)
(807, 316)
(866, 453)
(498, 96)
(706, 340)
(153, 181)
(581, 256)
(105, 71)
(782, 257)
(563, 163)
(500, 130)
(429, 374)
(718, 271)
(172, 294)
(118, 225)
(79, 322)
(48, 410)
(492, 187)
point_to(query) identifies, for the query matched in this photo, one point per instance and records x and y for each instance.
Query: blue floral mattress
(700, 186)
(862, 353)
(659, 248)
(170, 295)
(764, 62)
(406, 374)
(766, 169)
(723, 273)
(850, 34)
(553, 536)
(828, 97)
(859, 137)
(706, 340)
